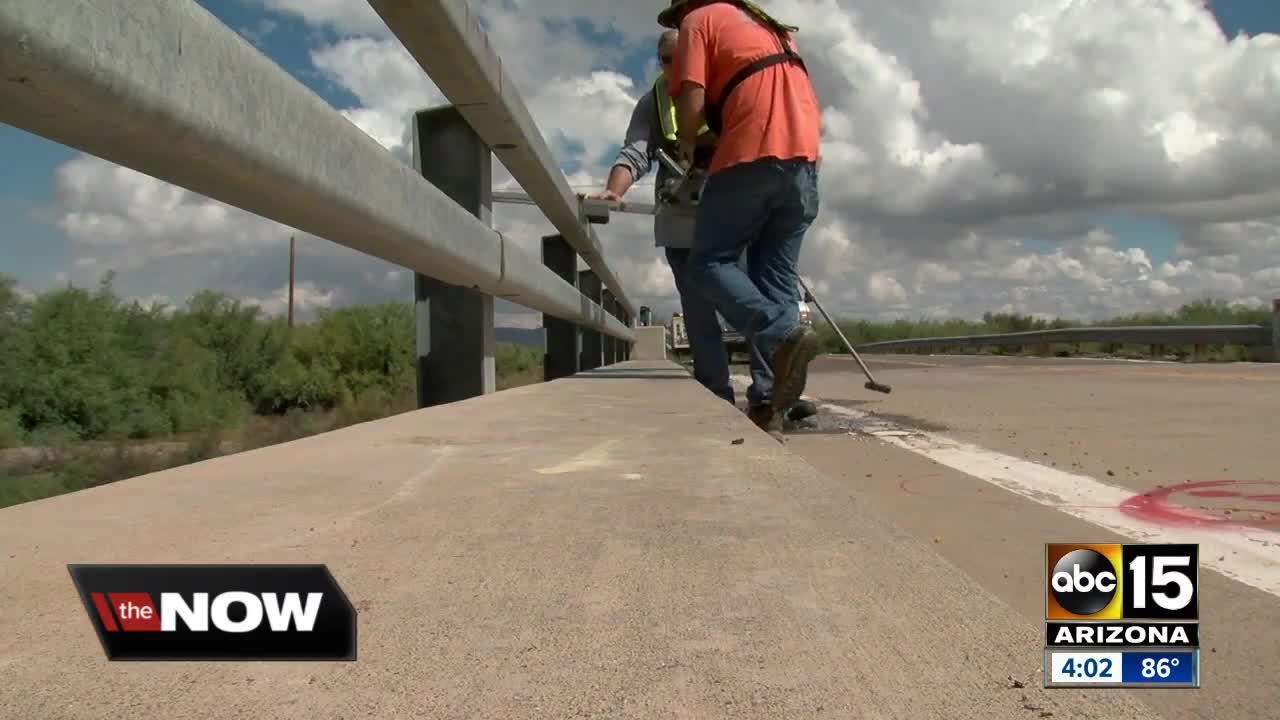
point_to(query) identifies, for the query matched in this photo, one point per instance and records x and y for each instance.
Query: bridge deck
(597, 546)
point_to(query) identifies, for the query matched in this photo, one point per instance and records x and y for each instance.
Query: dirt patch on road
(851, 404)
(913, 423)
(908, 422)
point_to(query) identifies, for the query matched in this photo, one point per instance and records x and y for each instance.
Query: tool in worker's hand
(594, 210)
(871, 383)
(670, 194)
(665, 158)
(673, 190)
(597, 212)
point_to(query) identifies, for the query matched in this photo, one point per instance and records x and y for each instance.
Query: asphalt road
(990, 458)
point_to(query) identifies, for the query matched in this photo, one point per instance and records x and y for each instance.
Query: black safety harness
(715, 120)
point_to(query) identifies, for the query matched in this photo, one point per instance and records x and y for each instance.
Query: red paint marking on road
(1160, 506)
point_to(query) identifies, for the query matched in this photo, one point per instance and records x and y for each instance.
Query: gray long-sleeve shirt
(671, 227)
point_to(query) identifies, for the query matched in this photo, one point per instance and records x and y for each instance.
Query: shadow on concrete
(647, 372)
(632, 375)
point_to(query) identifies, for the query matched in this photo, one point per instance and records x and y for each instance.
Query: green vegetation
(1203, 312)
(517, 365)
(94, 389)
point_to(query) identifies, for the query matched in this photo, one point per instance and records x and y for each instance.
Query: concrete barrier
(1275, 330)
(619, 543)
(651, 343)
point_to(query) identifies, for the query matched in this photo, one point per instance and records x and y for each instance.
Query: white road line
(1247, 555)
(1029, 359)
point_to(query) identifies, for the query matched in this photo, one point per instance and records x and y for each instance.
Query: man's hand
(617, 185)
(684, 154)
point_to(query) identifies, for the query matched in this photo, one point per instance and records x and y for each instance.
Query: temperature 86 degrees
(1161, 668)
(1167, 668)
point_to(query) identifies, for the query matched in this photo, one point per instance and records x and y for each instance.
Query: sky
(1076, 158)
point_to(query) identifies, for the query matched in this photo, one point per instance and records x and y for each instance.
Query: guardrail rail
(1262, 340)
(165, 88)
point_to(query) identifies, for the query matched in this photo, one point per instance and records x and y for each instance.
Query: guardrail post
(458, 320)
(1275, 330)
(626, 346)
(562, 353)
(589, 284)
(610, 344)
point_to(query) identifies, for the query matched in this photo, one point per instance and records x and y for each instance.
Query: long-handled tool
(871, 381)
(670, 195)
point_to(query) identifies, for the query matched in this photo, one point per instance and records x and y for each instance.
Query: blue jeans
(706, 340)
(764, 207)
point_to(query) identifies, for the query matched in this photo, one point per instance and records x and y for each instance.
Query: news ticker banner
(217, 612)
(1122, 615)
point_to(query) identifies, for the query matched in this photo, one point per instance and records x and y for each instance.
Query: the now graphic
(217, 612)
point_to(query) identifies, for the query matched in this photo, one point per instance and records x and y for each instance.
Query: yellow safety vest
(667, 110)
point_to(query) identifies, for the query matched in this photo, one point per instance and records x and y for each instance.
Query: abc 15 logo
(1122, 582)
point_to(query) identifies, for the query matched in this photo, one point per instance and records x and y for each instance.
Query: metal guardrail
(623, 206)
(445, 37)
(164, 88)
(1260, 336)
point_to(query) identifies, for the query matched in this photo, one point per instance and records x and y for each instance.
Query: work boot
(790, 364)
(800, 410)
(765, 418)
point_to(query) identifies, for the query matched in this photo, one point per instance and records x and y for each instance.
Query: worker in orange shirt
(736, 69)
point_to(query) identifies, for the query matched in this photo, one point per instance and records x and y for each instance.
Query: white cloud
(953, 131)
(307, 297)
(386, 80)
(352, 17)
(885, 288)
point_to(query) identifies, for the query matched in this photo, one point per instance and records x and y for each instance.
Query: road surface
(620, 544)
(990, 458)
(623, 544)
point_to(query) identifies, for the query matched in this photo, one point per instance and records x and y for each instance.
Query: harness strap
(714, 111)
(715, 119)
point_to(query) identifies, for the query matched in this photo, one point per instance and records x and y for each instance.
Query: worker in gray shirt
(653, 127)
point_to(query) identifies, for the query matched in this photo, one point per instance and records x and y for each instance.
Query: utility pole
(291, 261)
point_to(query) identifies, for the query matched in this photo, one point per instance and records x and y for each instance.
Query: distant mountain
(520, 336)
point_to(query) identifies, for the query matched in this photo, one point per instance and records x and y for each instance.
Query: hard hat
(667, 18)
